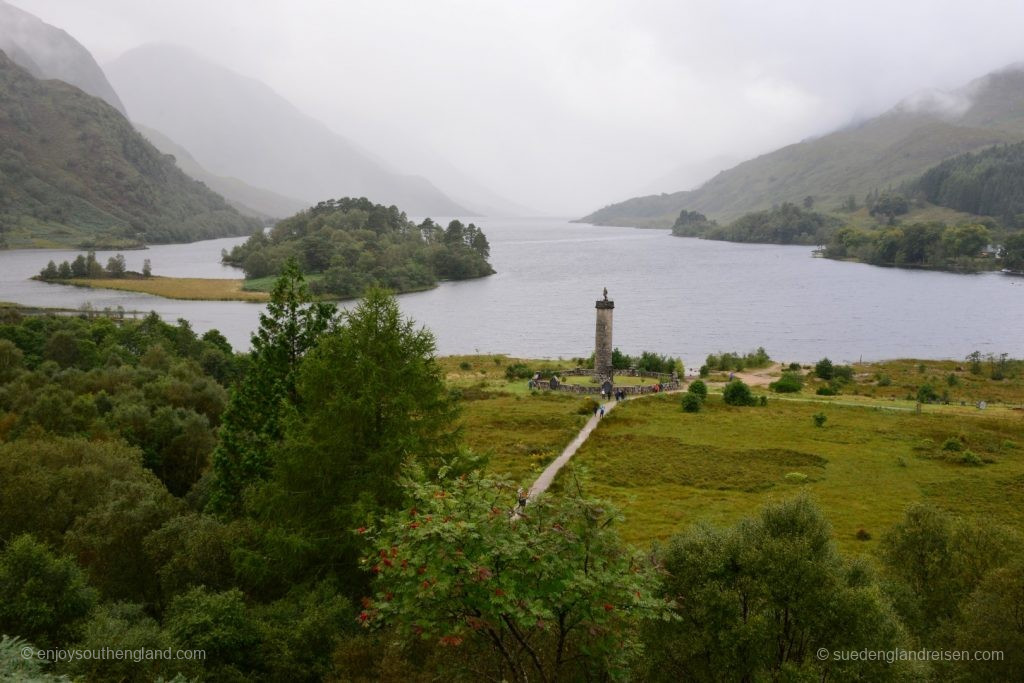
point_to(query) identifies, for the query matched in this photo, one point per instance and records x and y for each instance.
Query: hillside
(240, 128)
(73, 171)
(250, 201)
(46, 51)
(893, 148)
(987, 183)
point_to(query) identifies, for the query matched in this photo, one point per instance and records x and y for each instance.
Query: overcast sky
(567, 106)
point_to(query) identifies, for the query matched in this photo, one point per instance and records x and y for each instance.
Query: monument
(603, 371)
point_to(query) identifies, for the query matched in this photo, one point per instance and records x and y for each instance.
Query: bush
(699, 388)
(465, 365)
(588, 407)
(789, 383)
(884, 380)
(824, 369)
(737, 393)
(969, 458)
(843, 373)
(796, 478)
(819, 419)
(704, 371)
(518, 371)
(691, 403)
(953, 445)
(827, 390)
(794, 366)
(926, 394)
(863, 535)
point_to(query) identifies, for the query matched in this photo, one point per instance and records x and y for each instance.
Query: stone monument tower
(603, 340)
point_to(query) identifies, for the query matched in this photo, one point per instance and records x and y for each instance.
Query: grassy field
(519, 431)
(191, 288)
(266, 284)
(620, 380)
(668, 469)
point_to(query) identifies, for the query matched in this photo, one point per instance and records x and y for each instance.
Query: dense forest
(307, 511)
(74, 172)
(985, 183)
(929, 245)
(354, 244)
(783, 224)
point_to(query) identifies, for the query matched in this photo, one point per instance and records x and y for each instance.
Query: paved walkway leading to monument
(551, 471)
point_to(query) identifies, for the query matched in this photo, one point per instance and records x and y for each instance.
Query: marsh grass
(189, 288)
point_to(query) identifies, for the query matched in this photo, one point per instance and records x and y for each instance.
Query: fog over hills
(238, 127)
(897, 146)
(49, 52)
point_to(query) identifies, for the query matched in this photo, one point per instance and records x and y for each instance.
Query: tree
(965, 240)
(757, 601)
(889, 206)
(116, 266)
(737, 393)
(373, 398)
(699, 388)
(252, 422)
(990, 619)
(692, 402)
(50, 272)
(553, 595)
(79, 267)
(45, 597)
(147, 268)
(824, 369)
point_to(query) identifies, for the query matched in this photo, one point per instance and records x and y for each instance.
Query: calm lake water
(684, 297)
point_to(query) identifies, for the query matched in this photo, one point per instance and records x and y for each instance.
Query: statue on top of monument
(606, 294)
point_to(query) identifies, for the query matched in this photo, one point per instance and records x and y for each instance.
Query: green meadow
(666, 469)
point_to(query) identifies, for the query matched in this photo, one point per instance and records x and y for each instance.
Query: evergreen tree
(252, 422)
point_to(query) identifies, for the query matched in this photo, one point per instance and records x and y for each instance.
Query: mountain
(238, 127)
(250, 201)
(46, 51)
(74, 172)
(885, 151)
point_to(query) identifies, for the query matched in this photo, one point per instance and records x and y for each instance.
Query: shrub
(518, 371)
(863, 535)
(764, 401)
(824, 369)
(789, 383)
(953, 445)
(827, 390)
(794, 366)
(952, 380)
(819, 419)
(969, 458)
(884, 380)
(699, 388)
(465, 365)
(843, 373)
(737, 393)
(796, 478)
(926, 394)
(704, 371)
(587, 407)
(692, 402)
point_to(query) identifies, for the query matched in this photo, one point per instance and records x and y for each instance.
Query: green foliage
(784, 224)
(588, 407)
(115, 268)
(374, 379)
(737, 393)
(930, 245)
(819, 419)
(357, 244)
(986, 183)
(553, 595)
(253, 420)
(789, 383)
(692, 224)
(125, 626)
(518, 371)
(889, 205)
(699, 388)
(824, 369)
(734, 361)
(926, 394)
(750, 603)
(1012, 252)
(75, 172)
(989, 619)
(217, 622)
(692, 402)
(15, 668)
(45, 597)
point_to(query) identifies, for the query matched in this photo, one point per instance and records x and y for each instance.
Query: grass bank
(189, 288)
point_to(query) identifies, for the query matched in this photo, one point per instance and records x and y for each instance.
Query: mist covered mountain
(250, 201)
(239, 127)
(46, 51)
(885, 151)
(73, 172)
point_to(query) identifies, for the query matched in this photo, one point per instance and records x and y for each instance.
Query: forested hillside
(351, 244)
(987, 183)
(73, 172)
(882, 152)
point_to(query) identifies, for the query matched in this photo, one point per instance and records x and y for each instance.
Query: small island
(342, 246)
